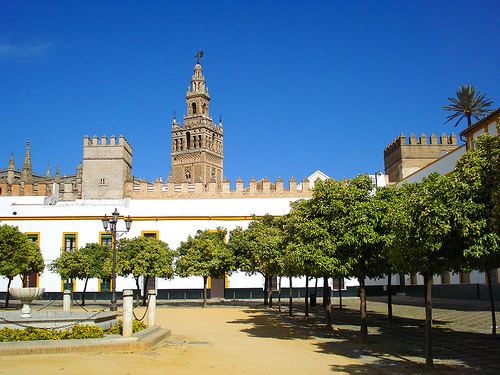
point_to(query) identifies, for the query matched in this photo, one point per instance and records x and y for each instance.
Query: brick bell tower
(197, 145)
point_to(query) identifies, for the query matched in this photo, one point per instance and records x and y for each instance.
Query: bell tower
(197, 145)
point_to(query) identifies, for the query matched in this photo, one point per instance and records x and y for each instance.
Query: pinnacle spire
(27, 171)
(12, 165)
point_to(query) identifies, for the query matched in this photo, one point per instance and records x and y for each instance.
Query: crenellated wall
(255, 189)
(106, 167)
(404, 156)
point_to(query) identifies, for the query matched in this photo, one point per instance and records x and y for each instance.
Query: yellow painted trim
(209, 283)
(37, 234)
(215, 231)
(102, 234)
(156, 232)
(64, 239)
(73, 285)
(442, 278)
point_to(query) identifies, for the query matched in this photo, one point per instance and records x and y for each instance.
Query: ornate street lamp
(111, 223)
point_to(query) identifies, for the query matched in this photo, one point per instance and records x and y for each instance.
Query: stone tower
(106, 167)
(197, 145)
(404, 156)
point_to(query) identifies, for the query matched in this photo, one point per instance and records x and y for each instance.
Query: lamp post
(111, 223)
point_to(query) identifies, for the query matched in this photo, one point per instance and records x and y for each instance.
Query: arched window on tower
(204, 109)
(193, 105)
(188, 140)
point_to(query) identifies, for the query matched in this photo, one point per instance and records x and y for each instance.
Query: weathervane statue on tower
(198, 56)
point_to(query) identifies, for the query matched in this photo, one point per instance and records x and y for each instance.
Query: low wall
(451, 291)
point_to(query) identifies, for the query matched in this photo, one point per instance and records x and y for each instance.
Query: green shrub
(77, 331)
(137, 326)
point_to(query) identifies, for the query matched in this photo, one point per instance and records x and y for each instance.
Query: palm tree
(468, 104)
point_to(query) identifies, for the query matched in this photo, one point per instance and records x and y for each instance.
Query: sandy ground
(214, 340)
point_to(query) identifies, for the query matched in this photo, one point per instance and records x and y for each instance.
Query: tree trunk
(306, 300)
(327, 303)
(329, 316)
(389, 296)
(326, 292)
(84, 290)
(205, 282)
(340, 294)
(138, 299)
(279, 295)
(492, 304)
(145, 291)
(7, 297)
(429, 365)
(266, 302)
(363, 334)
(291, 298)
(270, 290)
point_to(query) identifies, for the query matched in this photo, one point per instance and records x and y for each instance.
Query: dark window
(69, 242)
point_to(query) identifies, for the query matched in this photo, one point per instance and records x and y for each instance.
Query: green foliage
(478, 170)
(468, 104)
(83, 263)
(351, 222)
(141, 256)
(205, 254)
(18, 254)
(77, 331)
(258, 248)
(137, 326)
(307, 245)
(433, 226)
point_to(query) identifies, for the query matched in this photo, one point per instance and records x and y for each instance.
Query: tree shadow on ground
(439, 303)
(267, 326)
(403, 339)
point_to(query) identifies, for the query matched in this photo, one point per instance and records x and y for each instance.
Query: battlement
(433, 140)
(255, 189)
(403, 156)
(103, 141)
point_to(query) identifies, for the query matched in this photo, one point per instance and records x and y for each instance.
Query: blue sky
(301, 85)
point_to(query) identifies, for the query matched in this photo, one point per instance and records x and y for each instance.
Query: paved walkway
(462, 340)
(242, 337)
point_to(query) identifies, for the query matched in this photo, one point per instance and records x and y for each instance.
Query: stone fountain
(26, 296)
(51, 319)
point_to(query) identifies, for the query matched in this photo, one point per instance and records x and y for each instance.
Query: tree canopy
(18, 255)
(146, 257)
(206, 255)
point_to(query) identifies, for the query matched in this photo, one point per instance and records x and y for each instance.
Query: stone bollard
(67, 300)
(128, 313)
(151, 307)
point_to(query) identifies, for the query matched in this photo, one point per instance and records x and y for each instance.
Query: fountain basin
(58, 319)
(26, 296)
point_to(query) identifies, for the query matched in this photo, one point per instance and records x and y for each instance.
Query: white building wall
(174, 220)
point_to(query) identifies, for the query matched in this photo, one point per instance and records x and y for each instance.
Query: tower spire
(12, 165)
(27, 171)
(197, 144)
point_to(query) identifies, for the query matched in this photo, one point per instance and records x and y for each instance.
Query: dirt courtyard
(214, 340)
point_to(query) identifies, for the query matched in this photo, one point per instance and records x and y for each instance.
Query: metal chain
(145, 312)
(80, 305)
(50, 303)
